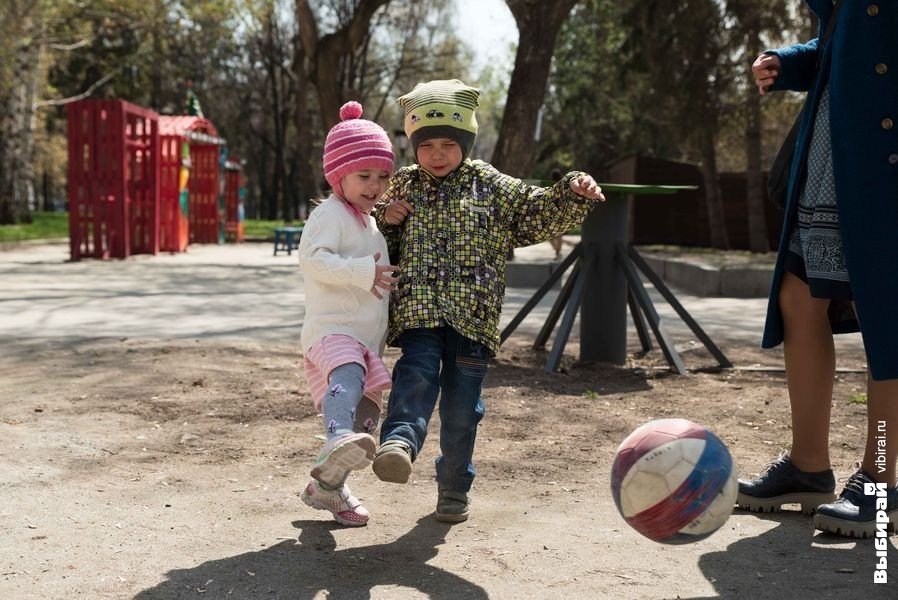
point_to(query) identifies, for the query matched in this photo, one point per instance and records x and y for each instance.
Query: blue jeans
(438, 361)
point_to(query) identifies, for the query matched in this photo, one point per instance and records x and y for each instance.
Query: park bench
(286, 239)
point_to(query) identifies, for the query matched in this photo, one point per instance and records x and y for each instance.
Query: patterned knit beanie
(441, 109)
(355, 144)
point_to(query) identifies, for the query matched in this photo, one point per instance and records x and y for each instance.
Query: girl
(343, 259)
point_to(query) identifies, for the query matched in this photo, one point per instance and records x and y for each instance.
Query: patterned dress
(815, 246)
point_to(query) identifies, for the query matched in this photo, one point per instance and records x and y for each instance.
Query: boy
(451, 221)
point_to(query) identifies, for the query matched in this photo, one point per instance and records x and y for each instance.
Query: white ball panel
(641, 491)
(692, 449)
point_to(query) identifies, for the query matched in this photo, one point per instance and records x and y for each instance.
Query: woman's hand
(765, 70)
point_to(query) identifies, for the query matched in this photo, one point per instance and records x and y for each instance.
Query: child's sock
(345, 386)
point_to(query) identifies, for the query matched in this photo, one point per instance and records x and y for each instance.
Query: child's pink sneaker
(345, 507)
(349, 452)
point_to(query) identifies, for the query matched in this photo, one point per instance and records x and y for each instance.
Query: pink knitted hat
(355, 144)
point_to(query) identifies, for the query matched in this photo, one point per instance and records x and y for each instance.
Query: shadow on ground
(794, 561)
(303, 569)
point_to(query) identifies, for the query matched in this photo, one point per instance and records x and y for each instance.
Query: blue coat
(861, 64)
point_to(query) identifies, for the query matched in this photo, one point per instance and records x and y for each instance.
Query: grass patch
(44, 226)
(858, 398)
(257, 228)
(55, 225)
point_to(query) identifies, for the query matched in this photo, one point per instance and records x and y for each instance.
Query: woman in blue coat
(837, 268)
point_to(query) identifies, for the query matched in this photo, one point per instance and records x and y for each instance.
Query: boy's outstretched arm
(536, 214)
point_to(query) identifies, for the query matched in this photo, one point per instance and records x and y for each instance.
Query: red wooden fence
(113, 177)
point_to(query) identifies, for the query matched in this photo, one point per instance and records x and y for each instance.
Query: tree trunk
(273, 66)
(302, 139)
(156, 65)
(714, 202)
(324, 55)
(758, 240)
(17, 138)
(538, 25)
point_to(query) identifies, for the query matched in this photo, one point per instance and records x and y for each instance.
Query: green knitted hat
(441, 109)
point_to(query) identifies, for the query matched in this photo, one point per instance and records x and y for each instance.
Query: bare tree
(325, 56)
(538, 25)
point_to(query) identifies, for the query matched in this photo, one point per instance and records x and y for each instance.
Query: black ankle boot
(782, 483)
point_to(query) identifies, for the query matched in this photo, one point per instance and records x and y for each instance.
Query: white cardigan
(336, 256)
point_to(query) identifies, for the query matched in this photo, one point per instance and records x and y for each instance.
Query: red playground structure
(113, 179)
(141, 183)
(190, 142)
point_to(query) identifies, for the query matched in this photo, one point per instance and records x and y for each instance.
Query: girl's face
(439, 156)
(364, 188)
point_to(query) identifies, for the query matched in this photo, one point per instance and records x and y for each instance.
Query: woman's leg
(882, 430)
(810, 369)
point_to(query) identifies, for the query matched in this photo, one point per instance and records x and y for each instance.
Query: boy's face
(364, 188)
(439, 156)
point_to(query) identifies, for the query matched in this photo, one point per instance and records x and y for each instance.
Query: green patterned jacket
(451, 250)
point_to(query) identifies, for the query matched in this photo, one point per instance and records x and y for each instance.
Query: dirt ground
(155, 466)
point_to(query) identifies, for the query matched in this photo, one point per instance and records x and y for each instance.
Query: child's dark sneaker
(782, 483)
(452, 507)
(393, 462)
(349, 452)
(854, 514)
(345, 507)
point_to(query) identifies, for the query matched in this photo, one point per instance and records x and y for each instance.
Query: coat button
(881, 69)
(887, 123)
(873, 10)
(893, 159)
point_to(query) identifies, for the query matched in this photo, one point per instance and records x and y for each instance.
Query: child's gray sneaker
(393, 462)
(782, 483)
(452, 507)
(855, 513)
(349, 452)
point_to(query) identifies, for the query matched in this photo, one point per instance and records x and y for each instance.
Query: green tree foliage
(665, 79)
(599, 107)
(669, 80)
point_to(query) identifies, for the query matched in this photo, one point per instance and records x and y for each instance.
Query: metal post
(603, 316)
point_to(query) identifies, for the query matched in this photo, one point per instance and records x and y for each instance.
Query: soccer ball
(673, 481)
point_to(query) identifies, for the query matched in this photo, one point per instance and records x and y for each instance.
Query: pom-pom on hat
(441, 109)
(355, 144)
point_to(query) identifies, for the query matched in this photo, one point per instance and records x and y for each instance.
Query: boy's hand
(382, 280)
(586, 186)
(765, 70)
(397, 212)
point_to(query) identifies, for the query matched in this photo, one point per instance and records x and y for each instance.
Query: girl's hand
(397, 212)
(765, 70)
(586, 186)
(382, 279)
